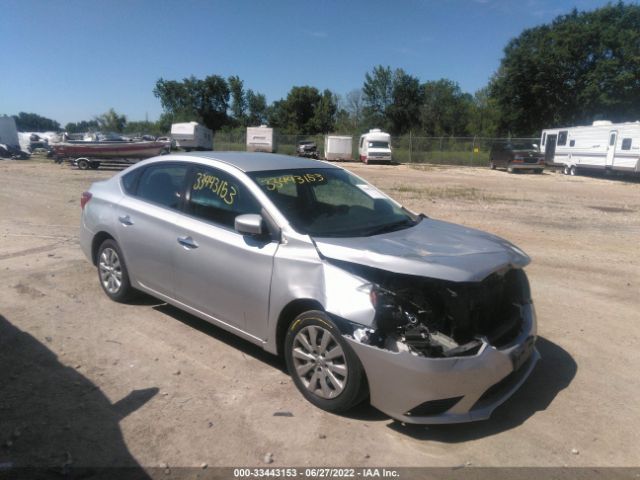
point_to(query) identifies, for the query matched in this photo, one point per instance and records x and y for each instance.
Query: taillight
(84, 199)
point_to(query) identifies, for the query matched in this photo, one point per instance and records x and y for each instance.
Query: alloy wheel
(319, 362)
(110, 270)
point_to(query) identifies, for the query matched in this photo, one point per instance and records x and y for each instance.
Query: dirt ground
(85, 381)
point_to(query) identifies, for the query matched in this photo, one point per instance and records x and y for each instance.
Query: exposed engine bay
(437, 318)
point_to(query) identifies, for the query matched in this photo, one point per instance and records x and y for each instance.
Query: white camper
(9, 132)
(338, 147)
(601, 146)
(375, 146)
(192, 136)
(260, 139)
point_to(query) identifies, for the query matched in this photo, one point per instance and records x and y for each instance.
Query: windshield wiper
(390, 227)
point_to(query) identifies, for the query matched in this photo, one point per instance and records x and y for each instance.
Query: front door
(218, 271)
(611, 148)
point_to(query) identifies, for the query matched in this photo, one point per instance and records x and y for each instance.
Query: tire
(510, 169)
(339, 382)
(565, 170)
(112, 272)
(83, 163)
(573, 171)
(492, 165)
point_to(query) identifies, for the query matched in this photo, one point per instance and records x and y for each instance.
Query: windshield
(331, 202)
(378, 144)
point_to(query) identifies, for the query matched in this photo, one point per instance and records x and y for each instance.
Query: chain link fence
(470, 151)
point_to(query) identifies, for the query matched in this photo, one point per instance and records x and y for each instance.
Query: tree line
(583, 66)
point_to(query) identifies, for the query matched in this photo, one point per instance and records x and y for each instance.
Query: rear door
(611, 148)
(218, 271)
(146, 223)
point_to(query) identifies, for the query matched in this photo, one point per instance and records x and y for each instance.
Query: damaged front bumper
(423, 390)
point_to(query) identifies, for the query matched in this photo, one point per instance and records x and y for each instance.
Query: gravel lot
(85, 381)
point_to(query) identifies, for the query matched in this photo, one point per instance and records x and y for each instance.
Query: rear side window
(562, 138)
(130, 181)
(219, 198)
(163, 184)
(626, 144)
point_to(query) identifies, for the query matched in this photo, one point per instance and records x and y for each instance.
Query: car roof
(258, 161)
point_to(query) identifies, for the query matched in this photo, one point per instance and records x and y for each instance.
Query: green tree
(378, 93)
(238, 100)
(32, 122)
(583, 66)
(205, 101)
(403, 113)
(484, 115)
(304, 111)
(111, 121)
(445, 108)
(256, 108)
(81, 127)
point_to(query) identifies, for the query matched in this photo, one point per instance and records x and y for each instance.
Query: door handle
(125, 220)
(187, 242)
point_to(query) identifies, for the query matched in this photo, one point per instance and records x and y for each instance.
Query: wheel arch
(288, 315)
(98, 239)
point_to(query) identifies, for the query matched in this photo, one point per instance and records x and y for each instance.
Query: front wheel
(83, 163)
(112, 272)
(323, 366)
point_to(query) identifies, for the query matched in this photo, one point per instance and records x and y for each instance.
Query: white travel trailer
(192, 136)
(338, 147)
(8, 132)
(375, 146)
(601, 146)
(260, 139)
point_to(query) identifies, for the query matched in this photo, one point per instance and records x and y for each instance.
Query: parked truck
(9, 141)
(604, 146)
(338, 147)
(260, 139)
(375, 146)
(192, 136)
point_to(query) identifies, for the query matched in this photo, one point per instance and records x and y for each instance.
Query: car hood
(432, 248)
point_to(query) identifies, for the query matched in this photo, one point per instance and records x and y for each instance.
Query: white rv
(338, 147)
(375, 146)
(260, 139)
(8, 132)
(192, 136)
(601, 146)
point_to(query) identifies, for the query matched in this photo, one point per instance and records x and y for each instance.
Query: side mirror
(248, 224)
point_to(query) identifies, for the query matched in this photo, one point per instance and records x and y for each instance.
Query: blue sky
(73, 60)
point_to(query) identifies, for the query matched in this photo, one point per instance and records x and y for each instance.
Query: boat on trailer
(89, 154)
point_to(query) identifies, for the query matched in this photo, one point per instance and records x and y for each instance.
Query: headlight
(391, 313)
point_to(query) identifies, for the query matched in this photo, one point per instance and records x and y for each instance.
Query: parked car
(307, 148)
(516, 156)
(433, 322)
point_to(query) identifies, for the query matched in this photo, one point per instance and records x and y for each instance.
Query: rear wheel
(112, 272)
(565, 170)
(573, 170)
(323, 366)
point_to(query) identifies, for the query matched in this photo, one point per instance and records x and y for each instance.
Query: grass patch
(455, 192)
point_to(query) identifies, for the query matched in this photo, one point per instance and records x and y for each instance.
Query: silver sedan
(432, 322)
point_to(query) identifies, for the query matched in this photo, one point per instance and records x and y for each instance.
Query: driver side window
(217, 197)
